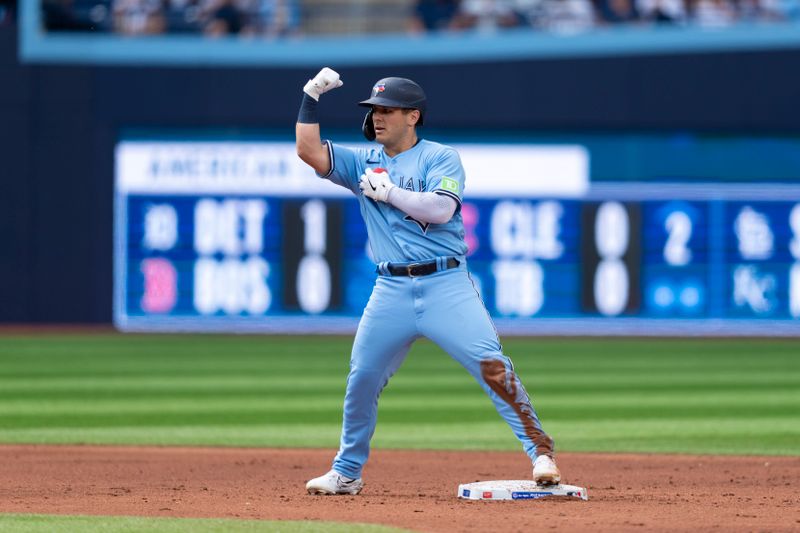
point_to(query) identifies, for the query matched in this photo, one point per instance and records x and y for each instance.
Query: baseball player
(410, 190)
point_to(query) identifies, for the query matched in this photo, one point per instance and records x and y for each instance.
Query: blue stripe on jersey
(449, 194)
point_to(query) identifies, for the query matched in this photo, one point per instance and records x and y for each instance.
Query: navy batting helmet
(394, 92)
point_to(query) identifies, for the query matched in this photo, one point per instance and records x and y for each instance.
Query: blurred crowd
(281, 18)
(148, 17)
(580, 15)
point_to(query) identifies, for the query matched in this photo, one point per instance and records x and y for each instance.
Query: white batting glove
(376, 184)
(323, 82)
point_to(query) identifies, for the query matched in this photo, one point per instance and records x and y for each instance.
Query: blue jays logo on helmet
(379, 88)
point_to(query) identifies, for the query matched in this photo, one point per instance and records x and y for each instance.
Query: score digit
(611, 255)
(794, 272)
(313, 272)
(679, 231)
(794, 224)
(311, 255)
(611, 284)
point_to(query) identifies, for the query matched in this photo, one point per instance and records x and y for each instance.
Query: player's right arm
(311, 149)
(307, 136)
(336, 163)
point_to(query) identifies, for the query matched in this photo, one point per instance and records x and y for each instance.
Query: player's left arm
(426, 207)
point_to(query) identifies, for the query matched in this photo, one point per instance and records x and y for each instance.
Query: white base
(520, 489)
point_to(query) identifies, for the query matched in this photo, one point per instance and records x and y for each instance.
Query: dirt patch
(410, 489)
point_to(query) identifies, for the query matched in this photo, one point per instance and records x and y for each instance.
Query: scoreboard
(642, 259)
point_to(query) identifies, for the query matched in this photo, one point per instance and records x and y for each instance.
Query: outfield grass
(649, 395)
(33, 523)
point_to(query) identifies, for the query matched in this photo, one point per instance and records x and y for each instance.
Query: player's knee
(365, 377)
(497, 374)
(492, 369)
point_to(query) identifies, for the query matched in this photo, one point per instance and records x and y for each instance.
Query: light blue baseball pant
(446, 308)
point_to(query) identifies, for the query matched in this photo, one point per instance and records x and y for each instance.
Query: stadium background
(64, 115)
(63, 119)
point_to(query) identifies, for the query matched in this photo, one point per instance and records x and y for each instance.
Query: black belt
(423, 268)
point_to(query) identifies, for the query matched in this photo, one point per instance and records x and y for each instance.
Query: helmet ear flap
(368, 128)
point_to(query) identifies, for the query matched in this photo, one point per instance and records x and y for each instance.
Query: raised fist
(323, 82)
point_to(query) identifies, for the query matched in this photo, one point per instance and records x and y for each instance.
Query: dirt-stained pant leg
(456, 319)
(385, 333)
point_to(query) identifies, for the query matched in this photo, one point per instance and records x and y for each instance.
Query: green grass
(32, 523)
(643, 395)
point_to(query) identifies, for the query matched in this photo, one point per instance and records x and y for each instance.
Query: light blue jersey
(393, 235)
(440, 304)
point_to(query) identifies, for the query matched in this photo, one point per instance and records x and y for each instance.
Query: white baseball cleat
(334, 483)
(545, 471)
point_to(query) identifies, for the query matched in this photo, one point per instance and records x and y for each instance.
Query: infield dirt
(409, 489)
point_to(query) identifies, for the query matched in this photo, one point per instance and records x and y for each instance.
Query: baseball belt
(422, 268)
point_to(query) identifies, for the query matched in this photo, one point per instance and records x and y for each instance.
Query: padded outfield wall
(63, 120)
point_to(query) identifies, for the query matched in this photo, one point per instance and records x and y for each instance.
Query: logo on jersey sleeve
(450, 185)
